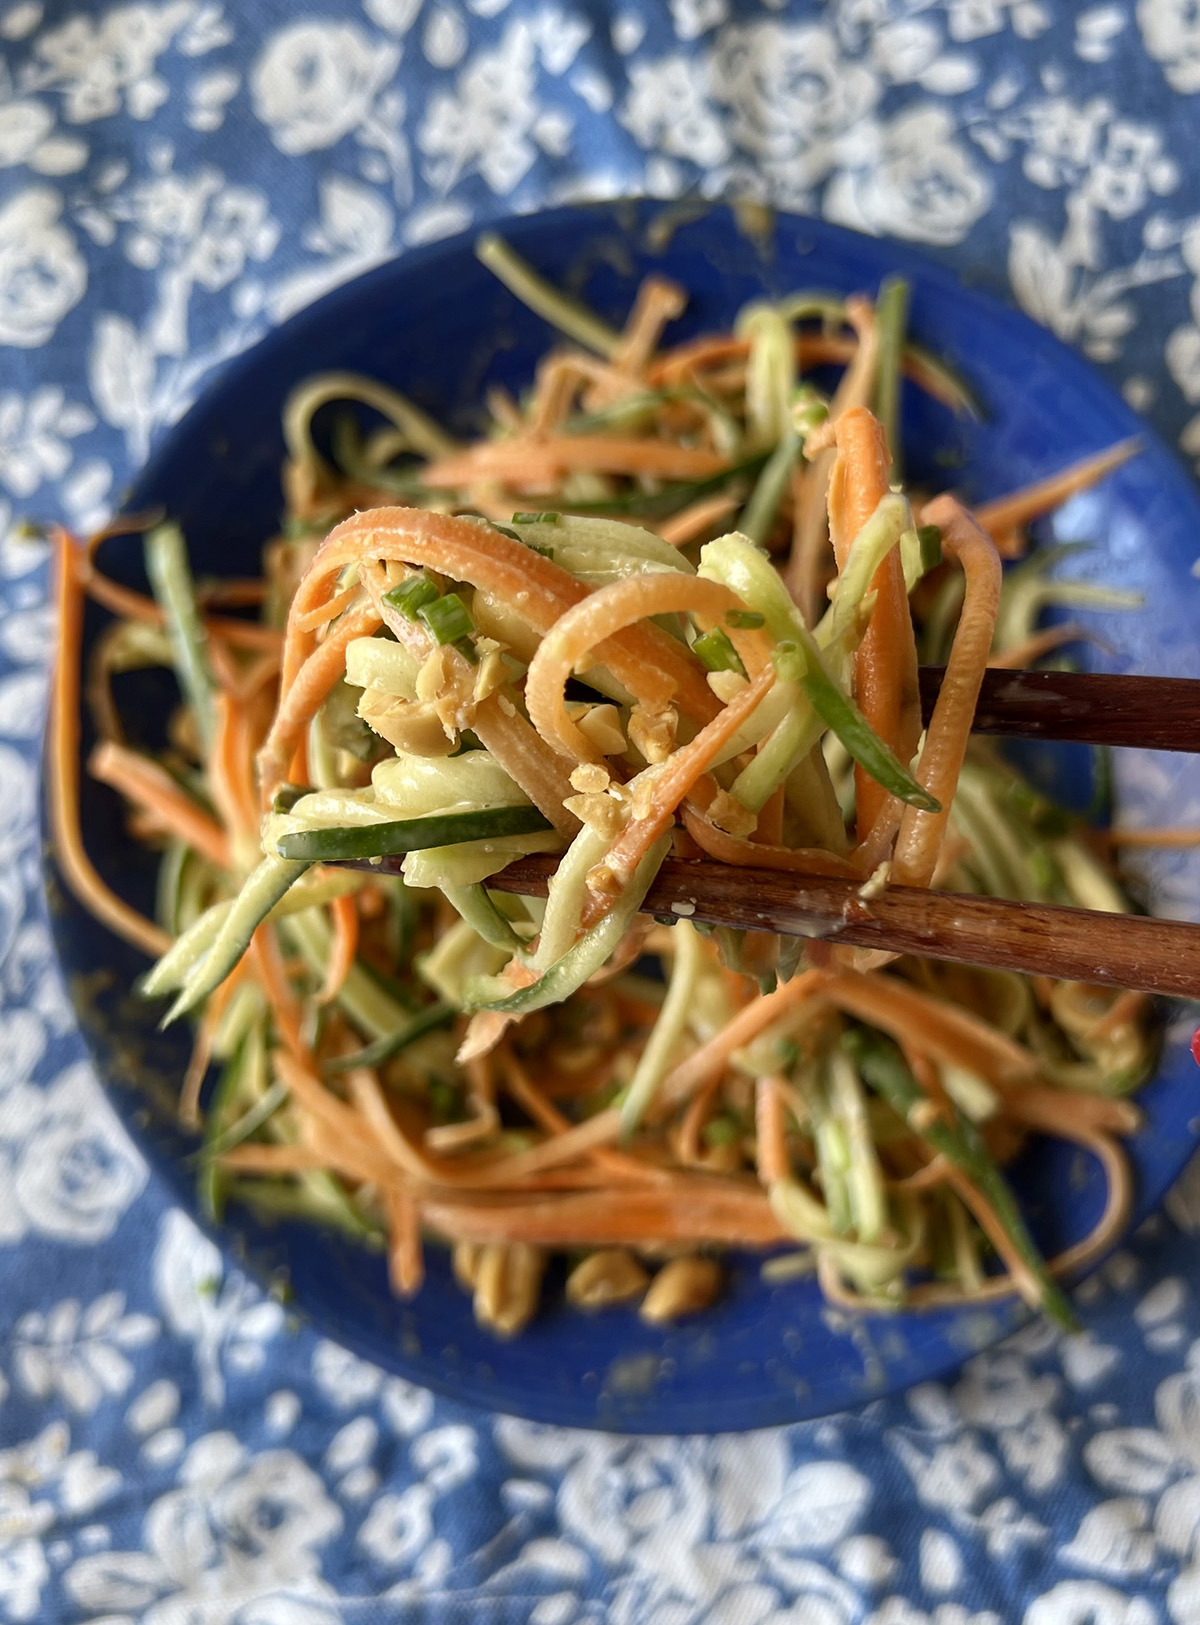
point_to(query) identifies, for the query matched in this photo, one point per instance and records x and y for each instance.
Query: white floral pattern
(42, 273)
(174, 176)
(236, 1526)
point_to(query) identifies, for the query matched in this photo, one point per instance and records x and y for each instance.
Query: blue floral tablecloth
(177, 175)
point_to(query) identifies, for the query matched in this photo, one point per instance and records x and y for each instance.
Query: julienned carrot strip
(547, 1116)
(539, 465)
(658, 301)
(206, 1030)
(227, 774)
(308, 692)
(253, 719)
(1016, 656)
(267, 963)
(805, 569)
(317, 618)
(377, 1120)
(886, 663)
(345, 946)
(673, 366)
(147, 785)
(297, 772)
(243, 592)
(919, 839)
(347, 1125)
(298, 647)
(1113, 1222)
(538, 590)
(374, 1120)
(70, 854)
(679, 774)
(1058, 1111)
(929, 1026)
(1023, 1277)
(501, 728)
(535, 588)
(813, 349)
(1166, 838)
(769, 1132)
(245, 681)
(558, 380)
(711, 1059)
(406, 1263)
(558, 1203)
(769, 830)
(760, 854)
(582, 633)
(223, 665)
(718, 1212)
(1006, 513)
(486, 1171)
(698, 1111)
(696, 521)
(135, 606)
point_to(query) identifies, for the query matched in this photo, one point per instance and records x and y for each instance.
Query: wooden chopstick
(1039, 939)
(1091, 708)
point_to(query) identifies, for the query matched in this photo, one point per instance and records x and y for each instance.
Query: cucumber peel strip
(569, 973)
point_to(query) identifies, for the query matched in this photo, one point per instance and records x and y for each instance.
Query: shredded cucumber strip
(757, 518)
(332, 844)
(171, 578)
(261, 891)
(481, 914)
(799, 658)
(544, 299)
(251, 1120)
(668, 1029)
(601, 550)
(770, 373)
(467, 863)
(592, 950)
(799, 727)
(785, 748)
(884, 1068)
(891, 319)
(173, 969)
(885, 529)
(874, 1268)
(362, 997)
(244, 1074)
(863, 1175)
(459, 957)
(566, 896)
(380, 1050)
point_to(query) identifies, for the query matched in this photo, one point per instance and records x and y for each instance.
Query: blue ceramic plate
(437, 326)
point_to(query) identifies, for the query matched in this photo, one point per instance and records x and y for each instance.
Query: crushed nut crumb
(599, 812)
(876, 882)
(591, 778)
(653, 732)
(728, 814)
(726, 684)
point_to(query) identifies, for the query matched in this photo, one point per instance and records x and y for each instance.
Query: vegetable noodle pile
(672, 601)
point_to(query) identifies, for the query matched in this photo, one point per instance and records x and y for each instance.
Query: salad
(671, 601)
